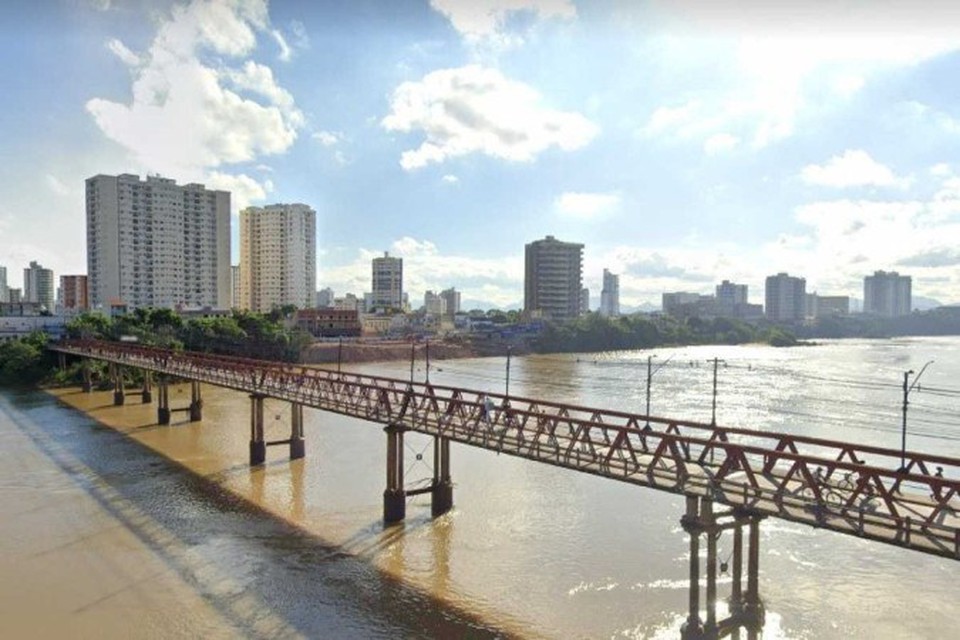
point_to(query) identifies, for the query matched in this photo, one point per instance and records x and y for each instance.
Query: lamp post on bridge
(907, 388)
(713, 413)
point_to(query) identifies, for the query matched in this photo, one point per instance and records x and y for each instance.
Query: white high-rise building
(4, 289)
(786, 298)
(325, 298)
(451, 300)
(387, 283)
(553, 279)
(153, 243)
(278, 257)
(235, 286)
(38, 286)
(887, 294)
(610, 295)
(434, 304)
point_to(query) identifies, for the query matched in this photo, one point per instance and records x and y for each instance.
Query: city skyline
(680, 146)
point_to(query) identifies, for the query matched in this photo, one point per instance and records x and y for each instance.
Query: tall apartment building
(730, 294)
(786, 298)
(153, 243)
(73, 293)
(4, 289)
(610, 295)
(887, 294)
(234, 286)
(434, 304)
(451, 301)
(553, 278)
(584, 300)
(387, 283)
(325, 298)
(278, 257)
(38, 286)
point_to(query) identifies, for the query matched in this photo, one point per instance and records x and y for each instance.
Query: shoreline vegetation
(26, 361)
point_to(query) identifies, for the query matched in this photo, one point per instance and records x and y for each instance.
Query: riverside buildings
(553, 279)
(610, 295)
(386, 283)
(786, 298)
(38, 286)
(153, 243)
(451, 301)
(278, 257)
(887, 294)
(73, 294)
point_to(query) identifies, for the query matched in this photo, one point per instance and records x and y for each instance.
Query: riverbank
(388, 351)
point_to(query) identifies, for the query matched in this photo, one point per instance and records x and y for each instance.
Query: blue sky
(682, 142)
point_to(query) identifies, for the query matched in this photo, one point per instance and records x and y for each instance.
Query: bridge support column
(258, 448)
(753, 613)
(297, 446)
(118, 391)
(87, 384)
(709, 522)
(196, 403)
(163, 400)
(692, 629)
(441, 497)
(394, 496)
(146, 394)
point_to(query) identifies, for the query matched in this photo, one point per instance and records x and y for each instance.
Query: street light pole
(507, 392)
(428, 361)
(907, 388)
(649, 378)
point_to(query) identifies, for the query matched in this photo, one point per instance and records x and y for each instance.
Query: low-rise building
(328, 323)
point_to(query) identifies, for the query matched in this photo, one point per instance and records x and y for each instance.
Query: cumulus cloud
(586, 205)
(327, 138)
(450, 179)
(489, 20)
(854, 168)
(474, 109)
(243, 189)
(120, 50)
(720, 142)
(940, 257)
(762, 70)
(189, 115)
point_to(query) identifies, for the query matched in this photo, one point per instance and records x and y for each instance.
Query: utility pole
(413, 352)
(507, 392)
(650, 373)
(907, 388)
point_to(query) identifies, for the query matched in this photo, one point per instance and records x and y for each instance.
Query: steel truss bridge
(731, 477)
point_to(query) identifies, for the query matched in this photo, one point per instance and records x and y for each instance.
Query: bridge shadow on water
(265, 576)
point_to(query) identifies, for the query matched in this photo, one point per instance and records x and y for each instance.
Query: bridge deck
(845, 487)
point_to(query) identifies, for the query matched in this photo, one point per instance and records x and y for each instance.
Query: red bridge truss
(845, 487)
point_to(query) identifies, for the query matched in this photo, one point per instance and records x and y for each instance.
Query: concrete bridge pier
(746, 609)
(118, 390)
(163, 400)
(395, 496)
(87, 384)
(258, 447)
(146, 393)
(441, 496)
(297, 446)
(196, 403)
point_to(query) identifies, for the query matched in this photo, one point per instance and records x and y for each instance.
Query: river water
(530, 550)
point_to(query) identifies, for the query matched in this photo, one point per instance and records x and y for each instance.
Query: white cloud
(327, 138)
(450, 179)
(586, 205)
(854, 168)
(56, 185)
(474, 109)
(120, 50)
(720, 142)
(757, 72)
(285, 51)
(488, 20)
(187, 116)
(243, 189)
